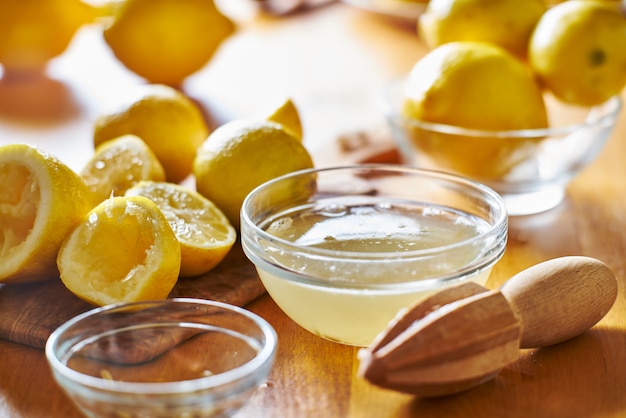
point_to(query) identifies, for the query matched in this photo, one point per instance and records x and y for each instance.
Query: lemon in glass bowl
(476, 110)
(473, 85)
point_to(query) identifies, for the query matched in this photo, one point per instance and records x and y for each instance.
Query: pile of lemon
(34, 32)
(492, 61)
(126, 227)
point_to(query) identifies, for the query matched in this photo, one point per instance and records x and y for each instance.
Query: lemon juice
(358, 262)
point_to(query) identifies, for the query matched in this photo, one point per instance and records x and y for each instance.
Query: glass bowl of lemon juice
(342, 250)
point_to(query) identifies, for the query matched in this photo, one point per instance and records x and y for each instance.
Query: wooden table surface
(332, 61)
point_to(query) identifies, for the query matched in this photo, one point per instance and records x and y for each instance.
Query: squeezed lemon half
(123, 251)
(41, 200)
(203, 231)
(118, 165)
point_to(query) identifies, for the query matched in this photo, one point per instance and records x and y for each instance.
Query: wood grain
(29, 313)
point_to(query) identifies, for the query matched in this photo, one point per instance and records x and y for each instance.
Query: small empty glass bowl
(342, 250)
(529, 168)
(171, 358)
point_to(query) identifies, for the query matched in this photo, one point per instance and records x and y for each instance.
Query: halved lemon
(287, 115)
(123, 251)
(205, 234)
(168, 121)
(41, 200)
(118, 165)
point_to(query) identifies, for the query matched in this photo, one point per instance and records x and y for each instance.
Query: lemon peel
(242, 154)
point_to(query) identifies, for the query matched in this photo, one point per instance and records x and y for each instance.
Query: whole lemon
(35, 31)
(506, 23)
(239, 156)
(165, 41)
(476, 86)
(164, 118)
(578, 51)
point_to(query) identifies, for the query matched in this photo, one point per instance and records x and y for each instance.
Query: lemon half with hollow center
(123, 251)
(41, 200)
(118, 165)
(203, 231)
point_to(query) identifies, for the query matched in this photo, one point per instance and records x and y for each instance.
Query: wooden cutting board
(30, 312)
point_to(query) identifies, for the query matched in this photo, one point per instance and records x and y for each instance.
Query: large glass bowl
(342, 250)
(172, 358)
(529, 168)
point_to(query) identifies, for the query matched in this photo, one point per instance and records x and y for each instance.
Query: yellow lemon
(41, 200)
(123, 251)
(239, 156)
(287, 115)
(165, 41)
(165, 119)
(203, 231)
(475, 86)
(506, 23)
(118, 165)
(578, 51)
(35, 31)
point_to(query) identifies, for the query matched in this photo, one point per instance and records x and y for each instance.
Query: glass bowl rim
(264, 355)
(389, 110)
(498, 227)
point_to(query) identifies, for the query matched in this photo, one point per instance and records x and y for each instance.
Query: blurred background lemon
(506, 23)
(165, 41)
(32, 32)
